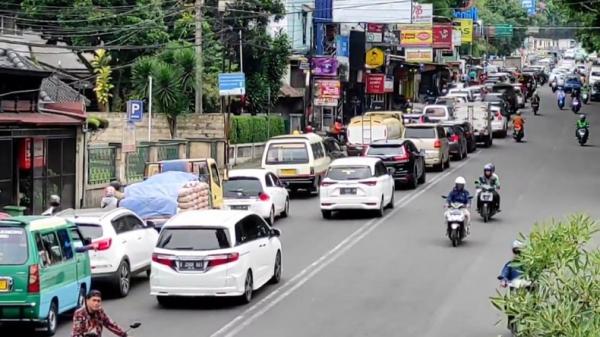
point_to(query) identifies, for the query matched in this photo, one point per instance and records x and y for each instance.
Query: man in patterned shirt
(90, 319)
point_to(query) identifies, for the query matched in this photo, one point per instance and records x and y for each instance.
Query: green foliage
(565, 271)
(580, 13)
(503, 12)
(255, 129)
(103, 70)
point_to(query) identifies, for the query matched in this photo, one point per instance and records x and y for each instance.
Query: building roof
(38, 119)
(14, 60)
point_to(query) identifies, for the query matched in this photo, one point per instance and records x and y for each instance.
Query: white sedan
(214, 253)
(257, 190)
(499, 123)
(356, 183)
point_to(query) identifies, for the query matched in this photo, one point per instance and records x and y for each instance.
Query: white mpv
(214, 253)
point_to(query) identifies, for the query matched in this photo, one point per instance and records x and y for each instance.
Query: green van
(44, 270)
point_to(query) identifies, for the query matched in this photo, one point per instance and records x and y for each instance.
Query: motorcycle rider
(510, 271)
(54, 206)
(519, 122)
(90, 319)
(460, 195)
(491, 179)
(582, 123)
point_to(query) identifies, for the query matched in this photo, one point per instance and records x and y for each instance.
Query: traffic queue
(195, 232)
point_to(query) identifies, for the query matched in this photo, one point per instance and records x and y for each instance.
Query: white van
(594, 74)
(479, 114)
(300, 161)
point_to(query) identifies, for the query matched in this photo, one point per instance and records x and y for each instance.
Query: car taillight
(437, 144)
(34, 279)
(369, 182)
(327, 183)
(263, 197)
(404, 157)
(102, 244)
(498, 116)
(217, 260)
(167, 260)
(454, 138)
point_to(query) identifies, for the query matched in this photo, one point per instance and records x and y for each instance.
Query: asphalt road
(399, 275)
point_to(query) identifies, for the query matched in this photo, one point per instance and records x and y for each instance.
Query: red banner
(375, 83)
(442, 36)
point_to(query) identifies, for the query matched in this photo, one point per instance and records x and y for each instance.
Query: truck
(513, 62)
(479, 114)
(372, 126)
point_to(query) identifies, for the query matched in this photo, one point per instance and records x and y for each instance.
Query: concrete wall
(188, 126)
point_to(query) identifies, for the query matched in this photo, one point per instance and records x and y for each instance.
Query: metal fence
(135, 163)
(102, 166)
(168, 151)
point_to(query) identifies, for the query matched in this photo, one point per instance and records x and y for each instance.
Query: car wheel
(392, 200)
(412, 181)
(286, 209)
(148, 272)
(248, 288)
(164, 301)
(52, 321)
(81, 297)
(271, 219)
(448, 163)
(381, 209)
(422, 178)
(123, 279)
(277, 269)
(326, 213)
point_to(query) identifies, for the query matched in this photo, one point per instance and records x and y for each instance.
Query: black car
(457, 141)
(403, 157)
(508, 93)
(499, 101)
(595, 93)
(468, 131)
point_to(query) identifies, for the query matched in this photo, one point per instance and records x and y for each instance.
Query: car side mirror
(275, 232)
(86, 241)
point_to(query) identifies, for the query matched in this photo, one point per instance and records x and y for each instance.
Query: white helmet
(460, 181)
(517, 244)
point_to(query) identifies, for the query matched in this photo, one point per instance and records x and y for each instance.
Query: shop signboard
(422, 13)
(418, 55)
(456, 37)
(375, 83)
(466, 29)
(327, 88)
(416, 36)
(324, 66)
(388, 86)
(355, 11)
(326, 101)
(374, 32)
(375, 58)
(442, 36)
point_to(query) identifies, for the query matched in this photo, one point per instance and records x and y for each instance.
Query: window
(241, 187)
(388, 150)
(121, 225)
(65, 243)
(276, 180)
(317, 150)
(380, 169)
(441, 132)
(349, 172)
(214, 173)
(92, 231)
(411, 147)
(287, 153)
(268, 181)
(247, 230)
(51, 249)
(13, 246)
(77, 236)
(263, 230)
(436, 111)
(419, 133)
(134, 223)
(191, 238)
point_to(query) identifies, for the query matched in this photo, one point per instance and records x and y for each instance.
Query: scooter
(582, 136)
(487, 207)
(535, 106)
(561, 102)
(585, 97)
(456, 226)
(553, 86)
(518, 133)
(575, 105)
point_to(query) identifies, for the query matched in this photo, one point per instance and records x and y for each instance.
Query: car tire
(51, 322)
(122, 281)
(379, 213)
(286, 209)
(81, 296)
(148, 272)
(271, 219)
(423, 177)
(248, 288)
(326, 214)
(448, 163)
(164, 301)
(392, 200)
(277, 269)
(413, 180)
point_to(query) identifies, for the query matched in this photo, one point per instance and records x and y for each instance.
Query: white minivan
(300, 161)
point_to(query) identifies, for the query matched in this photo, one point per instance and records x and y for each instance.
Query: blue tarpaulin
(157, 196)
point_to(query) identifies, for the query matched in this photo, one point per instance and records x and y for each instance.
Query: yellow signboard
(375, 58)
(416, 36)
(419, 55)
(466, 29)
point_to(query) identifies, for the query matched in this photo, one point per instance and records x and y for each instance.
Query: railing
(167, 151)
(102, 166)
(135, 163)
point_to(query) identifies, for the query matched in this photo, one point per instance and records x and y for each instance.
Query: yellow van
(204, 168)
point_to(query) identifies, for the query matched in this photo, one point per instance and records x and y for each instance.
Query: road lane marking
(258, 309)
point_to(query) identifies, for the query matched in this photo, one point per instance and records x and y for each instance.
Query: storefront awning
(37, 118)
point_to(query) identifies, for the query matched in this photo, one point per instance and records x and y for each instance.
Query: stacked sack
(193, 195)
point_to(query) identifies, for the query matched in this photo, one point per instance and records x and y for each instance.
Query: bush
(255, 129)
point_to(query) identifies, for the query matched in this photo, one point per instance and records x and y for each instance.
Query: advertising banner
(422, 13)
(375, 83)
(416, 36)
(349, 11)
(466, 29)
(375, 32)
(342, 45)
(375, 57)
(442, 36)
(456, 37)
(419, 55)
(324, 66)
(327, 89)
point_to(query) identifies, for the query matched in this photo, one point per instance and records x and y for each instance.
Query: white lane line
(251, 314)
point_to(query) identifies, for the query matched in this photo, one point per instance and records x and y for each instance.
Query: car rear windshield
(241, 187)
(387, 150)
(13, 245)
(176, 238)
(436, 112)
(595, 73)
(287, 153)
(349, 172)
(419, 133)
(90, 230)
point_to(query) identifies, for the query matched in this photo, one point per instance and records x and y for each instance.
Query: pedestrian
(109, 200)
(54, 206)
(90, 319)
(118, 189)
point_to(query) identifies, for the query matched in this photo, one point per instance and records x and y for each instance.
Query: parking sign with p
(135, 111)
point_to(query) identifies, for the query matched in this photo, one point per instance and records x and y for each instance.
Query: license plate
(4, 285)
(239, 207)
(455, 213)
(191, 265)
(347, 190)
(486, 196)
(287, 172)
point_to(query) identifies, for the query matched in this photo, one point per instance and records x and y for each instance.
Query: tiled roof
(9, 59)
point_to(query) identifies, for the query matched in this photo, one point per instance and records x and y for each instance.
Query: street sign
(135, 111)
(232, 84)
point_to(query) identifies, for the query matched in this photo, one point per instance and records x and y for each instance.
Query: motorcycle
(582, 136)
(131, 327)
(535, 106)
(575, 105)
(585, 97)
(487, 207)
(515, 285)
(561, 102)
(456, 228)
(518, 133)
(553, 86)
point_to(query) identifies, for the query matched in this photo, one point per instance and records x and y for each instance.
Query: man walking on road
(90, 319)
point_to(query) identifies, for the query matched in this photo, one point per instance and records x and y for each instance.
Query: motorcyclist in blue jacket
(460, 195)
(511, 272)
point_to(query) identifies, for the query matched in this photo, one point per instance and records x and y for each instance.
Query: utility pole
(241, 54)
(199, 60)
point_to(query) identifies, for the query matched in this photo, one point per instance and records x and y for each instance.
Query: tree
(494, 12)
(565, 271)
(102, 69)
(585, 14)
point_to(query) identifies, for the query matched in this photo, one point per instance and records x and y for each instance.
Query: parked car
(122, 242)
(468, 132)
(572, 83)
(298, 160)
(438, 112)
(406, 161)
(499, 122)
(431, 138)
(259, 191)
(217, 253)
(456, 92)
(456, 140)
(44, 270)
(357, 183)
(595, 92)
